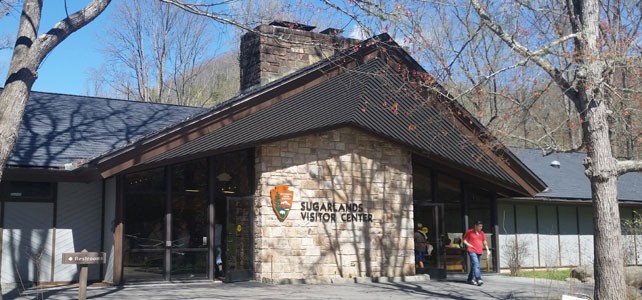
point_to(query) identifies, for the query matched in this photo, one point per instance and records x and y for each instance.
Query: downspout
(495, 220)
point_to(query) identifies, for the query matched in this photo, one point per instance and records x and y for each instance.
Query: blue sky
(66, 67)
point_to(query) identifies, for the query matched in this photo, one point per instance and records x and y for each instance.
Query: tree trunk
(28, 54)
(602, 171)
(11, 116)
(608, 260)
(589, 92)
(21, 76)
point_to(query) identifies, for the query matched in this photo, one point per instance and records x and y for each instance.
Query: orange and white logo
(281, 201)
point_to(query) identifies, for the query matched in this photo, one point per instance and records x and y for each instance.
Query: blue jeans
(219, 261)
(420, 256)
(474, 266)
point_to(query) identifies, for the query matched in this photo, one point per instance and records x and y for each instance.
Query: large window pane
(189, 220)
(151, 181)
(233, 174)
(421, 183)
(143, 248)
(190, 177)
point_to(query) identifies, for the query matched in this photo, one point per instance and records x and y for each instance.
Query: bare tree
(589, 90)
(29, 52)
(6, 6)
(252, 13)
(159, 55)
(153, 51)
(218, 77)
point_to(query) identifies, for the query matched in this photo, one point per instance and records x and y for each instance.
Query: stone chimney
(281, 48)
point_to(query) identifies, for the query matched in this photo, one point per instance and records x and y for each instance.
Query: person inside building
(218, 237)
(183, 235)
(155, 237)
(420, 247)
(429, 246)
(185, 260)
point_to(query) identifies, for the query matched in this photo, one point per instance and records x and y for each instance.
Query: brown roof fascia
(180, 134)
(205, 154)
(82, 174)
(435, 94)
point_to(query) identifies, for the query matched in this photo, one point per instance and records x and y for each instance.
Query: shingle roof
(363, 97)
(59, 129)
(113, 135)
(568, 181)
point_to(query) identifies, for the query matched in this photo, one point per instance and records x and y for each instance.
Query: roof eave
(119, 160)
(145, 149)
(82, 174)
(530, 183)
(116, 161)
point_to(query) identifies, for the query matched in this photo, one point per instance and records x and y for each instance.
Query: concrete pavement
(455, 287)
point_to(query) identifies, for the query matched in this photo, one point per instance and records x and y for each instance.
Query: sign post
(84, 259)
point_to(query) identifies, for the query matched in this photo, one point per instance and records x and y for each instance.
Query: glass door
(239, 239)
(167, 223)
(431, 218)
(144, 240)
(480, 205)
(190, 220)
(178, 218)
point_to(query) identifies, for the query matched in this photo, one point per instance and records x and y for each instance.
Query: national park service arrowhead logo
(281, 201)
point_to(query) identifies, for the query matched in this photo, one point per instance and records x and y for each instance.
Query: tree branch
(534, 56)
(197, 10)
(61, 30)
(626, 166)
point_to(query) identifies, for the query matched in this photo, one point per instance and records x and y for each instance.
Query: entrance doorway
(189, 244)
(431, 217)
(167, 223)
(238, 242)
(191, 220)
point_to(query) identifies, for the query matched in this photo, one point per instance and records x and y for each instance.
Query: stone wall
(366, 231)
(271, 52)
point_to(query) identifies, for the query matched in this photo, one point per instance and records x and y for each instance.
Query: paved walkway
(495, 287)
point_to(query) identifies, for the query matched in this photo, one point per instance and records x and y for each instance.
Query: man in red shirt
(475, 239)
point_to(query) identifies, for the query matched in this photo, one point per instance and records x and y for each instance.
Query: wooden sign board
(83, 258)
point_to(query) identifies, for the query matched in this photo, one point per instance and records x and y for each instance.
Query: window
(421, 183)
(19, 191)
